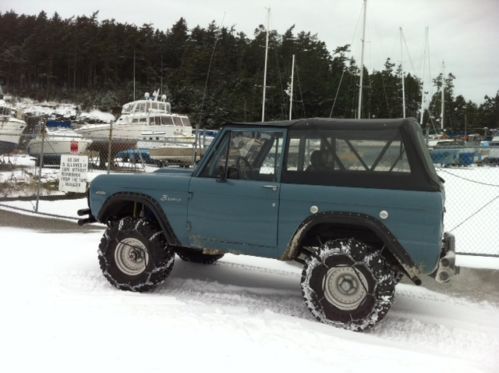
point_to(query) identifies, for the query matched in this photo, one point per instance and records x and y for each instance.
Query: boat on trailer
(139, 117)
(60, 138)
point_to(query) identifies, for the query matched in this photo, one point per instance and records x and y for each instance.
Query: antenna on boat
(402, 71)
(265, 66)
(359, 111)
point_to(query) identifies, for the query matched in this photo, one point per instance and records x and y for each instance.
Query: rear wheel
(134, 255)
(197, 256)
(348, 284)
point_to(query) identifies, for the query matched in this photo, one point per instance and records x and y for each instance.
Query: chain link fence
(30, 171)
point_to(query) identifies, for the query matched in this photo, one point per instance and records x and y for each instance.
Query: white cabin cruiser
(11, 128)
(139, 118)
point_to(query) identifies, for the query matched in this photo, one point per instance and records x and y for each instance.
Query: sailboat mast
(402, 72)
(359, 111)
(442, 110)
(422, 110)
(291, 88)
(265, 67)
(134, 74)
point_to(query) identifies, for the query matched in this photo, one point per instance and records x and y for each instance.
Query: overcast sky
(464, 33)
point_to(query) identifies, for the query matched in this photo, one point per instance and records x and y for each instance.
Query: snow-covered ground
(242, 314)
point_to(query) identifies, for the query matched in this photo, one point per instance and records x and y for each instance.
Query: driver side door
(234, 199)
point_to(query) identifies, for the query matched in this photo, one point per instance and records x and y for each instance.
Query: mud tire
(160, 257)
(364, 268)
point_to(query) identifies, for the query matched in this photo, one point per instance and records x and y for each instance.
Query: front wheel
(348, 284)
(134, 255)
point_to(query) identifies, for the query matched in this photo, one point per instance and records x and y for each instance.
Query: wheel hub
(345, 287)
(131, 256)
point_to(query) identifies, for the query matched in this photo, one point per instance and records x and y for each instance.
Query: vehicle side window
(248, 155)
(215, 167)
(332, 155)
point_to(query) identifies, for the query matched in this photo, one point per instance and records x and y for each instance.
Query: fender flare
(147, 201)
(360, 220)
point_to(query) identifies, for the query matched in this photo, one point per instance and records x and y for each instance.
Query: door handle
(273, 187)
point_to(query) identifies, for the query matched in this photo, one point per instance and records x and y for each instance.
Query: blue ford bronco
(356, 202)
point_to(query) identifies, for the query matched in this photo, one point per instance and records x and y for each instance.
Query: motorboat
(11, 128)
(178, 150)
(149, 115)
(493, 156)
(452, 152)
(59, 138)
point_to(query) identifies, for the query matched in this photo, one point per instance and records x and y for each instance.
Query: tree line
(212, 73)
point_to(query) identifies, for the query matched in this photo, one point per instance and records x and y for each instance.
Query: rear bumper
(446, 267)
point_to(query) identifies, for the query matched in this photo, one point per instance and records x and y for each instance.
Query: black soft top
(330, 123)
(423, 175)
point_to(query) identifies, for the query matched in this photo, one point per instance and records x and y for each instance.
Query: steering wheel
(243, 167)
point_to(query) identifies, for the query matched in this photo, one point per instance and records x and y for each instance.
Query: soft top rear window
(359, 157)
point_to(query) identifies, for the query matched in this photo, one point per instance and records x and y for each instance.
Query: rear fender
(357, 220)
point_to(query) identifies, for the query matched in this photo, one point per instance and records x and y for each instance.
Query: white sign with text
(73, 175)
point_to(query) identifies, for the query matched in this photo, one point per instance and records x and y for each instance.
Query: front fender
(112, 205)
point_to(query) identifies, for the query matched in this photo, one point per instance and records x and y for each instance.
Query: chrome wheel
(131, 256)
(345, 288)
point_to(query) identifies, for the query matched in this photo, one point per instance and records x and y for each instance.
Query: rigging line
(343, 64)
(475, 213)
(283, 98)
(217, 38)
(337, 91)
(408, 53)
(469, 180)
(429, 68)
(388, 108)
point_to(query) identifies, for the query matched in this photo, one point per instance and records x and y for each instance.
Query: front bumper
(446, 267)
(88, 220)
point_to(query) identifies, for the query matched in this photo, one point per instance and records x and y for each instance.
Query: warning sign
(73, 175)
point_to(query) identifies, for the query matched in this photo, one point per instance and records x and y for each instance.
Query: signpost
(73, 175)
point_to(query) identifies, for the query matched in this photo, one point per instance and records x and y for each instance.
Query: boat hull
(11, 130)
(57, 147)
